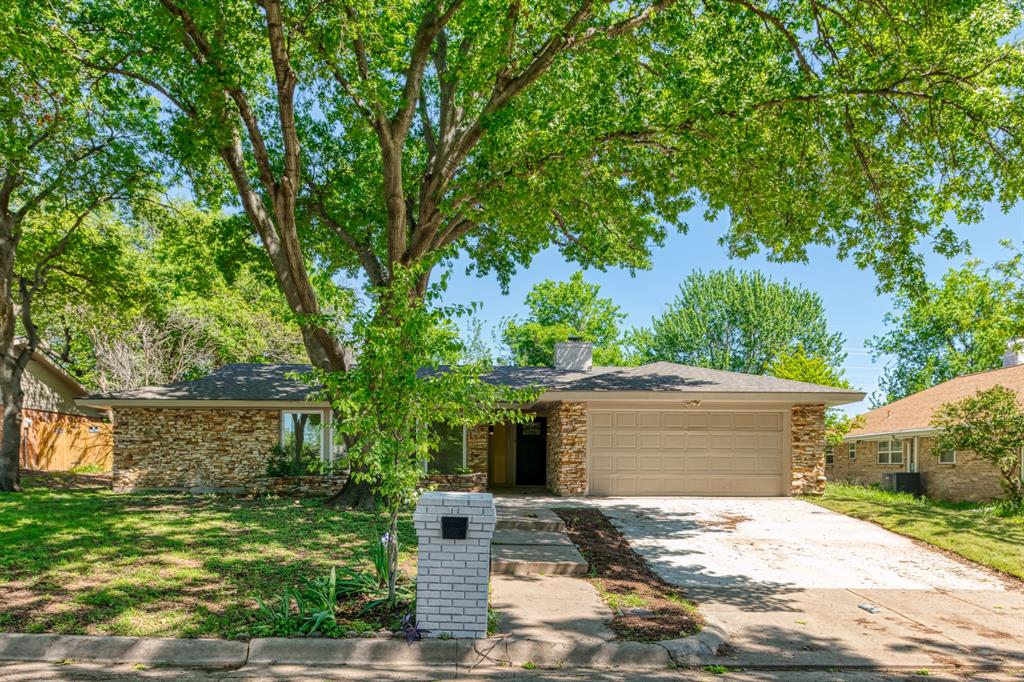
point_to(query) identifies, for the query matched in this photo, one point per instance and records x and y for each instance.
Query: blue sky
(851, 303)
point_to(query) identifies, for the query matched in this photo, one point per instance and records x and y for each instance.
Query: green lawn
(95, 562)
(966, 529)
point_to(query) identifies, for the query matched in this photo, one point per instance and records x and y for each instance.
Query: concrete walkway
(533, 542)
(550, 608)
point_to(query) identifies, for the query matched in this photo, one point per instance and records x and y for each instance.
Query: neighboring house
(899, 437)
(659, 429)
(57, 434)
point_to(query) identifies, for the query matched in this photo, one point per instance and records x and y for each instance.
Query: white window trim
(851, 451)
(326, 451)
(893, 447)
(465, 452)
(830, 453)
(938, 457)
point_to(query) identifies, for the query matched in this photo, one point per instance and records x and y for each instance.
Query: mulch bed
(626, 582)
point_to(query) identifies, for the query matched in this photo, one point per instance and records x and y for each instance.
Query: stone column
(453, 570)
(808, 450)
(567, 449)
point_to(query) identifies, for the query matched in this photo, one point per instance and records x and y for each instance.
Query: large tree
(371, 137)
(558, 310)
(739, 321)
(69, 150)
(958, 325)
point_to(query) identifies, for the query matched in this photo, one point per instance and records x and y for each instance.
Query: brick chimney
(575, 354)
(1014, 354)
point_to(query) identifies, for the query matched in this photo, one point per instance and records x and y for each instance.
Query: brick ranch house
(659, 429)
(899, 437)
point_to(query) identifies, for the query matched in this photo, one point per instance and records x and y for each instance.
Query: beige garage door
(686, 452)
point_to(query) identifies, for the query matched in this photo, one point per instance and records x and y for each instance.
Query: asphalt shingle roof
(273, 383)
(914, 413)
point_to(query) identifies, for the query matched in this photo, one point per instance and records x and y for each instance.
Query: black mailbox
(454, 527)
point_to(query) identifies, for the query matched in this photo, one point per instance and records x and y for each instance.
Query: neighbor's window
(890, 452)
(451, 453)
(830, 455)
(947, 457)
(304, 432)
(852, 449)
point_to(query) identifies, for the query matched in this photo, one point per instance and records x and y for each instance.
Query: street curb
(185, 653)
(696, 649)
(459, 654)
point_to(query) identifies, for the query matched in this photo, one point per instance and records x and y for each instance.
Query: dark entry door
(532, 452)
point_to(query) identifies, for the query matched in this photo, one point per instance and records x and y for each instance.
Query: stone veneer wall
(192, 448)
(297, 486)
(567, 449)
(475, 482)
(478, 441)
(807, 473)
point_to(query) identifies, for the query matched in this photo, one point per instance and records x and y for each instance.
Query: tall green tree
(797, 365)
(412, 373)
(559, 310)
(70, 149)
(370, 138)
(958, 325)
(741, 322)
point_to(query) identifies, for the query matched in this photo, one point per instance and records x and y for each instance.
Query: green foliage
(991, 423)
(409, 374)
(742, 322)
(559, 310)
(281, 462)
(957, 326)
(797, 365)
(379, 557)
(315, 605)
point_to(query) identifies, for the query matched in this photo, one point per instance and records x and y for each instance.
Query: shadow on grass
(163, 564)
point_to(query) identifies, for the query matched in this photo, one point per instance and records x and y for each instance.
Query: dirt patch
(646, 608)
(63, 480)
(725, 521)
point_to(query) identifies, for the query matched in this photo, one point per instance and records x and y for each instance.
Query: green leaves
(559, 310)
(743, 322)
(991, 424)
(956, 326)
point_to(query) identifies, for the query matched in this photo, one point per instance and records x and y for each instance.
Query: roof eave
(875, 435)
(175, 403)
(823, 398)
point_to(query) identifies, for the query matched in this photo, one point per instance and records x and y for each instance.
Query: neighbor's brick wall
(971, 478)
(192, 448)
(807, 473)
(567, 449)
(864, 469)
(478, 441)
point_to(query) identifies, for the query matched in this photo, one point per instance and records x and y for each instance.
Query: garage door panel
(686, 452)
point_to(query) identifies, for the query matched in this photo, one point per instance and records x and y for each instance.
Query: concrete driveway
(787, 580)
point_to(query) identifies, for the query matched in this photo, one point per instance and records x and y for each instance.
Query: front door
(532, 452)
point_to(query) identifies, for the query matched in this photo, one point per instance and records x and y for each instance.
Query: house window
(890, 452)
(830, 455)
(304, 432)
(852, 450)
(947, 457)
(451, 451)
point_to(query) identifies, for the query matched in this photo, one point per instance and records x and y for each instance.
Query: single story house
(658, 429)
(56, 433)
(899, 437)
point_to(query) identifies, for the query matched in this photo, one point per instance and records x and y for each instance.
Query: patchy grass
(625, 582)
(988, 534)
(88, 561)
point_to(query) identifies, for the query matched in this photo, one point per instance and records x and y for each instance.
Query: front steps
(533, 542)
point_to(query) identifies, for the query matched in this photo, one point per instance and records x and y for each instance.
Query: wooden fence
(53, 441)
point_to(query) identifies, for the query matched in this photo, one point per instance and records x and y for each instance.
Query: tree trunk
(353, 495)
(10, 372)
(10, 441)
(393, 554)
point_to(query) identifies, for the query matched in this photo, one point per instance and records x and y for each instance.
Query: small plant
(529, 665)
(463, 470)
(379, 556)
(412, 631)
(87, 469)
(493, 621)
(718, 669)
(923, 672)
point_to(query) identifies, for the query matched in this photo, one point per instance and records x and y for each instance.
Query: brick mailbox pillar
(454, 563)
